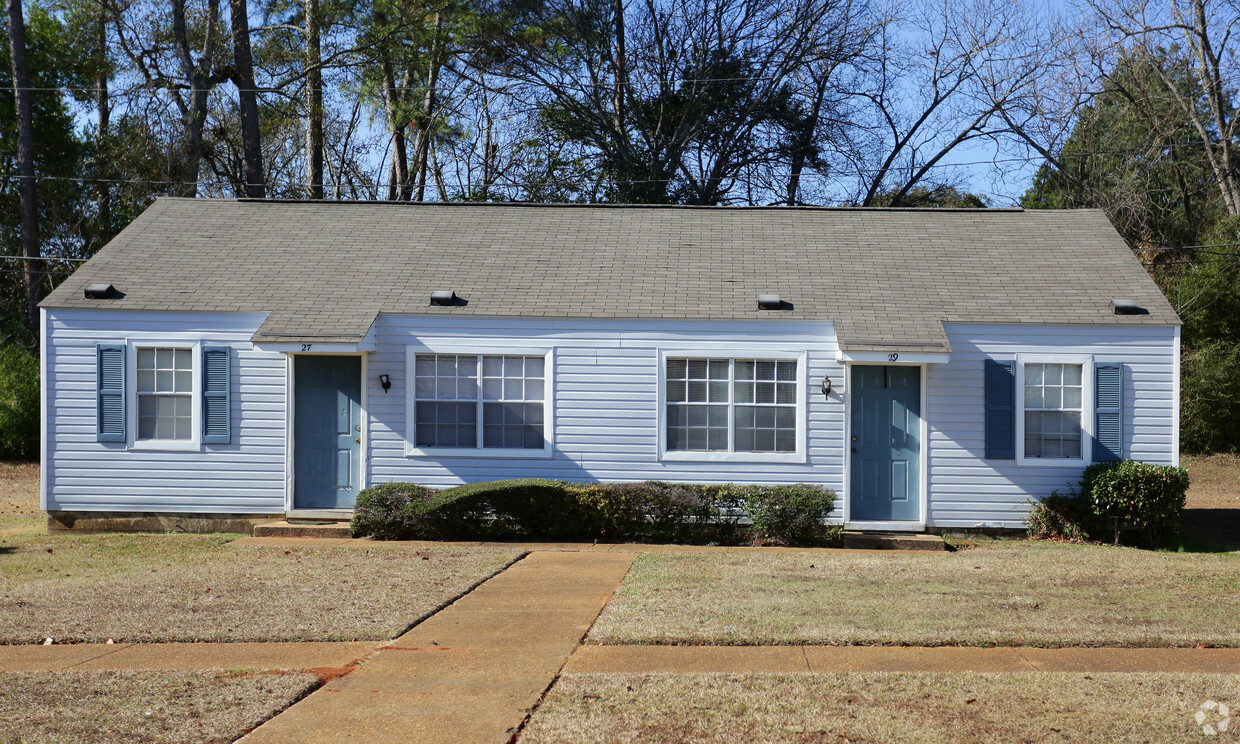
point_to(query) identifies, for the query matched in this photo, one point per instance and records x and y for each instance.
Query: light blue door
(886, 447)
(327, 429)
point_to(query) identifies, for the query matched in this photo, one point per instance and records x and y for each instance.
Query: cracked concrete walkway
(471, 672)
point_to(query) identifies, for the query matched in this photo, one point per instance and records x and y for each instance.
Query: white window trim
(412, 450)
(194, 443)
(1087, 409)
(799, 456)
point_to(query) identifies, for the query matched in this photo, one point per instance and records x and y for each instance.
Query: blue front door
(327, 429)
(886, 446)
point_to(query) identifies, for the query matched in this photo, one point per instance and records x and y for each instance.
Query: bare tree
(1205, 30)
(25, 164)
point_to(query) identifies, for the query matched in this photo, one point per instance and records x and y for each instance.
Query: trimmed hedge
(554, 510)
(1113, 496)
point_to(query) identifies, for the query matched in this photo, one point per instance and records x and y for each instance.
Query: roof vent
(444, 297)
(1127, 307)
(99, 291)
(770, 302)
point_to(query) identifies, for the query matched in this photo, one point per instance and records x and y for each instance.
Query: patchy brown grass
(191, 707)
(894, 708)
(1215, 481)
(1003, 592)
(146, 588)
(19, 498)
(77, 587)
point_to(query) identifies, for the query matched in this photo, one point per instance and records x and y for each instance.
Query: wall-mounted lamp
(826, 385)
(385, 382)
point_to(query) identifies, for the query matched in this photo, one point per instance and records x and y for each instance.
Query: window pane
(765, 370)
(744, 369)
(1071, 446)
(1051, 397)
(467, 366)
(744, 392)
(1033, 445)
(183, 382)
(675, 391)
(697, 392)
(424, 365)
(183, 359)
(492, 388)
(786, 370)
(697, 369)
(1053, 375)
(146, 358)
(786, 392)
(513, 389)
(163, 359)
(718, 392)
(534, 366)
(493, 366)
(163, 381)
(445, 387)
(1071, 397)
(1072, 374)
(534, 389)
(1033, 374)
(718, 369)
(764, 392)
(676, 369)
(146, 382)
(786, 440)
(445, 366)
(1033, 397)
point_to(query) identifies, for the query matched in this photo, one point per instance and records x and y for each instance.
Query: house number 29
(892, 357)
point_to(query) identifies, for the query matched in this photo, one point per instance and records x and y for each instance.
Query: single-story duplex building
(237, 361)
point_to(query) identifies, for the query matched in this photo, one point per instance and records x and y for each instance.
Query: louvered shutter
(216, 395)
(110, 388)
(1000, 391)
(1108, 434)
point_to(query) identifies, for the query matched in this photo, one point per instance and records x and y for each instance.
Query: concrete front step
(892, 541)
(297, 528)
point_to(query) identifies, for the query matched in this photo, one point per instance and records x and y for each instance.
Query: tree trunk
(425, 128)
(103, 105)
(805, 140)
(251, 138)
(197, 74)
(398, 173)
(25, 166)
(314, 104)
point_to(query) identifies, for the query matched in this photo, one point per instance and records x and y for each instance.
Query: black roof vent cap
(1127, 307)
(444, 297)
(770, 302)
(99, 292)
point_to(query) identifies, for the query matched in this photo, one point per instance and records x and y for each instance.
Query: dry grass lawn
(144, 587)
(191, 707)
(1003, 592)
(1215, 481)
(892, 708)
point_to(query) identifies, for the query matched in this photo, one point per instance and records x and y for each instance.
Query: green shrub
(528, 507)
(19, 403)
(1061, 517)
(1210, 398)
(1149, 497)
(553, 510)
(792, 515)
(390, 511)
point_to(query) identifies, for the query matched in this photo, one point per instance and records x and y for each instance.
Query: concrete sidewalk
(184, 656)
(748, 659)
(473, 671)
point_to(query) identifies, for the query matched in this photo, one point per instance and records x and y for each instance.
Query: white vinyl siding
(966, 489)
(246, 476)
(603, 390)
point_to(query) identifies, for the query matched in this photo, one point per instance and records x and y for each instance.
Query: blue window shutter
(1000, 389)
(1108, 435)
(216, 395)
(110, 388)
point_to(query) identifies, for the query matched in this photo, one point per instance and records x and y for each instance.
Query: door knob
(358, 440)
(854, 449)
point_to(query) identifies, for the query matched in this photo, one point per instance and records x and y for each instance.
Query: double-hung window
(472, 402)
(728, 406)
(1054, 399)
(165, 392)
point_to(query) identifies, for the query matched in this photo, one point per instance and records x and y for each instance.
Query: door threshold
(325, 515)
(879, 525)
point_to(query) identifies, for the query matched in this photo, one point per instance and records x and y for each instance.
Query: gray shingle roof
(887, 278)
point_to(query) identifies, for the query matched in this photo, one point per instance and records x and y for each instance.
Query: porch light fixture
(770, 302)
(444, 297)
(385, 382)
(826, 385)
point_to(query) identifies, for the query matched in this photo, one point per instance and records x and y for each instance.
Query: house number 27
(892, 357)
(305, 347)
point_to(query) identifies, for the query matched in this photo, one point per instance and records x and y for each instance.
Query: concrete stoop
(891, 541)
(302, 529)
